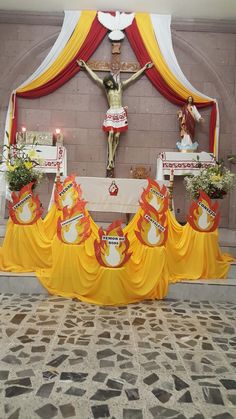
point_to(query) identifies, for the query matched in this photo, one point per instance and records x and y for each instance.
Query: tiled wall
(78, 107)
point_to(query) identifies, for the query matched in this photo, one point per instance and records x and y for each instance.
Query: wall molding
(56, 19)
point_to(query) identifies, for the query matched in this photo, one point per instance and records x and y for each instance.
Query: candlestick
(58, 174)
(171, 189)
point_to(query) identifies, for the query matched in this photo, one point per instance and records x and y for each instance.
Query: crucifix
(115, 120)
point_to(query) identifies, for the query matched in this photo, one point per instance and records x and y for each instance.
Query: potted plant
(216, 181)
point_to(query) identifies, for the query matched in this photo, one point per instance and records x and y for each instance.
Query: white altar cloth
(95, 190)
(51, 155)
(182, 163)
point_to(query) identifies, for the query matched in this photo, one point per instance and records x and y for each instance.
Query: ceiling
(195, 9)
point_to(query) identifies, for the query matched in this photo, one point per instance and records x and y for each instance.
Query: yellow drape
(148, 36)
(72, 47)
(50, 221)
(76, 273)
(193, 254)
(73, 271)
(25, 248)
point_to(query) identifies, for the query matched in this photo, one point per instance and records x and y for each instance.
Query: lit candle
(58, 136)
(23, 130)
(171, 175)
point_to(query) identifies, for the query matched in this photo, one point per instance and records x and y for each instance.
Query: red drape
(92, 41)
(94, 38)
(159, 83)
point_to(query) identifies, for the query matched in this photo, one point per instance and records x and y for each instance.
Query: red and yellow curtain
(145, 46)
(85, 39)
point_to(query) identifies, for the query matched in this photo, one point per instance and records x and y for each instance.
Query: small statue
(188, 116)
(115, 120)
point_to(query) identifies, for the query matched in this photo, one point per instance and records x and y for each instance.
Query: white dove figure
(115, 23)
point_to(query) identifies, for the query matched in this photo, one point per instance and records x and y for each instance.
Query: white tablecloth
(51, 155)
(182, 163)
(95, 190)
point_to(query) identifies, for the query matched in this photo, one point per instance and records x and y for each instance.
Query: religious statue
(115, 120)
(188, 115)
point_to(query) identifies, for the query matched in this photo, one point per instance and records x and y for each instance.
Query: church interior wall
(78, 107)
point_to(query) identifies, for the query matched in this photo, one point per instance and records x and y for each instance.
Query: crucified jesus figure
(115, 120)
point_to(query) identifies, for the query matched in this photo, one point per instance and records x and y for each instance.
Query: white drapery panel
(70, 21)
(161, 26)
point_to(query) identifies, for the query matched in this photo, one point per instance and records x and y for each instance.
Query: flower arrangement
(215, 181)
(20, 166)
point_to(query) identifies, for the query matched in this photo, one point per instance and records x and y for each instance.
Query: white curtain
(70, 21)
(161, 26)
(71, 18)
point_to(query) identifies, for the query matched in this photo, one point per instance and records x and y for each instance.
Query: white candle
(171, 175)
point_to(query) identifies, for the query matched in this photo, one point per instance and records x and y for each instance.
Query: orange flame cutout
(26, 207)
(152, 227)
(111, 249)
(203, 214)
(74, 226)
(68, 193)
(155, 196)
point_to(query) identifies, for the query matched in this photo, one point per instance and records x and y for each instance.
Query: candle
(58, 137)
(171, 175)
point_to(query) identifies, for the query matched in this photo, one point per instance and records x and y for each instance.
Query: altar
(110, 195)
(51, 157)
(182, 164)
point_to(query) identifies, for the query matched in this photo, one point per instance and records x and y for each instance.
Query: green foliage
(21, 166)
(216, 181)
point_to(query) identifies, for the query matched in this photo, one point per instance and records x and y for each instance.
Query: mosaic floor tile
(156, 359)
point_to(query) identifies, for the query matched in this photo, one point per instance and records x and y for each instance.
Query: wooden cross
(115, 66)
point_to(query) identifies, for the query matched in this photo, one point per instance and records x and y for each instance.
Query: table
(182, 163)
(50, 155)
(95, 190)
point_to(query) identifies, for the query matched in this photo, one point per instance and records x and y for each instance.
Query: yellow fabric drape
(50, 221)
(195, 255)
(25, 248)
(72, 47)
(73, 271)
(148, 36)
(76, 273)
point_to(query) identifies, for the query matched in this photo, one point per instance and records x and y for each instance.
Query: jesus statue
(115, 120)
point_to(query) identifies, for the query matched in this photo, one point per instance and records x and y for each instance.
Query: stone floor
(62, 358)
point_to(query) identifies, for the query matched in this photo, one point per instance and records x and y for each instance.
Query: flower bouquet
(20, 166)
(215, 181)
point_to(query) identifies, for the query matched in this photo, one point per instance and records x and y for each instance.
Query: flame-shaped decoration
(152, 227)
(203, 214)
(74, 226)
(25, 207)
(155, 196)
(68, 193)
(111, 249)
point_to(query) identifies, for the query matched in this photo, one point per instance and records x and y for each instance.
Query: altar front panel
(95, 190)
